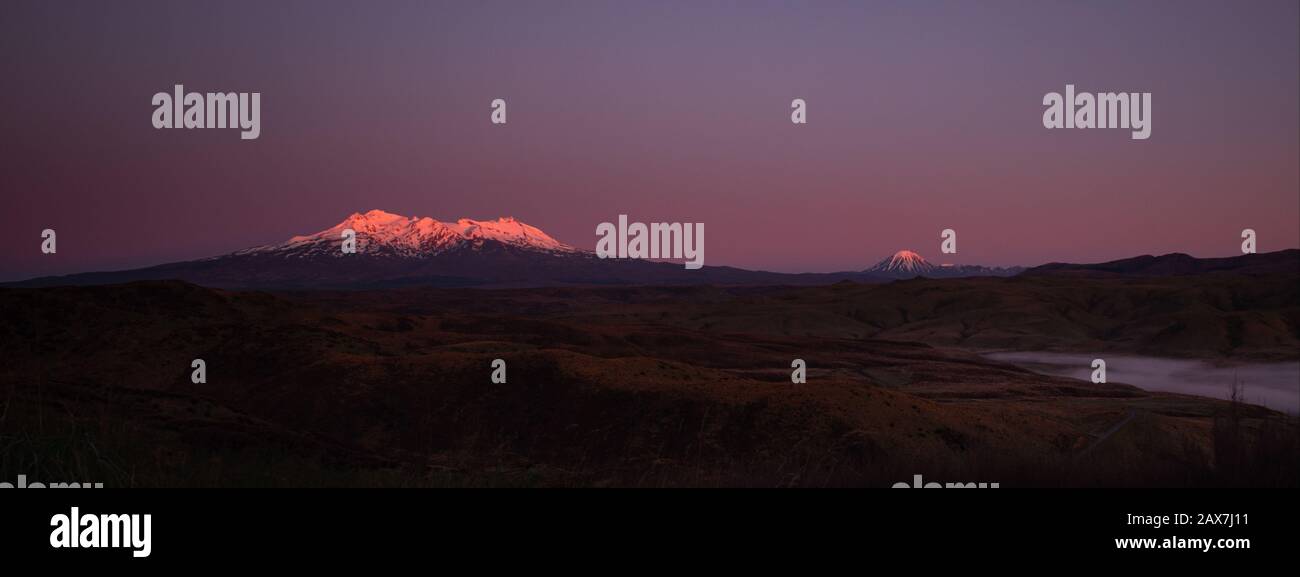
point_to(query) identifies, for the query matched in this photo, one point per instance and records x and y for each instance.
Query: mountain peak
(371, 217)
(906, 264)
(903, 261)
(385, 233)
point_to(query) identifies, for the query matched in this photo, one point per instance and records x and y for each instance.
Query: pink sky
(922, 116)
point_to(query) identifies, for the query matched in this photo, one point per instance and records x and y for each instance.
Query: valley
(638, 385)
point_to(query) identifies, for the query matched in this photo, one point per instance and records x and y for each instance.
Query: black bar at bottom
(536, 529)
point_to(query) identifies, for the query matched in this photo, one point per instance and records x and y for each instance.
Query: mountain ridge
(907, 264)
(400, 251)
(1178, 264)
(384, 233)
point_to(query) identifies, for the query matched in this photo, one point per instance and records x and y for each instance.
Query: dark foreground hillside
(631, 386)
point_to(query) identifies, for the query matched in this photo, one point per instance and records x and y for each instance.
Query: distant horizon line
(384, 218)
(1022, 268)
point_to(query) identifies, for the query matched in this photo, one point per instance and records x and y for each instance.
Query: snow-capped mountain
(903, 262)
(399, 251)
(402, 251)
(380, 233)
(906, 264)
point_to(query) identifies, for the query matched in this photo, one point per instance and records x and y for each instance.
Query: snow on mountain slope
(903, 261)
(509, 231)
(386, 234)
(906, 264)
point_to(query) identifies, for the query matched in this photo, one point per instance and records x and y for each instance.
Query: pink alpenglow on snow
(903, 261)
(380, 232)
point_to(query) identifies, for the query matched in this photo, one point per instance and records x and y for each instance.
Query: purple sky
(922, 116)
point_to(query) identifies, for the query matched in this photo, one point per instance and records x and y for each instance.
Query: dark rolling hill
(396, 251)
(615, 386)
(1179, 264)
